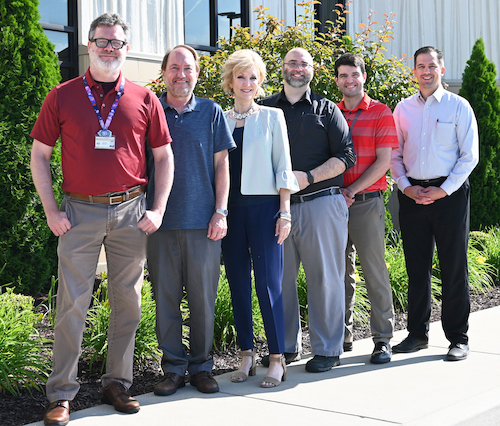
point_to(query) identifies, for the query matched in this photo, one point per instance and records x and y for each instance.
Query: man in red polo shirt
(103, 120)
(374, 136)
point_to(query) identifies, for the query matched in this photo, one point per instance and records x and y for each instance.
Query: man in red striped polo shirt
(374, 136)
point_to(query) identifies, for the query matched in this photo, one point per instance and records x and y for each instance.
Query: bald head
(299, 51)
(298, 69)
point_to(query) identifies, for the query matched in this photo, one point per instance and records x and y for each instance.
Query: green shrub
(29, 71)
(480, 89)
(23, 361)
(488, 245)
(389, 79)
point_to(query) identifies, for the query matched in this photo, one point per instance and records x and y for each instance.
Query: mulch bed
(27, 408)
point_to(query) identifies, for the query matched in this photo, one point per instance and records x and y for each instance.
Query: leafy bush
(488, 245)
(29, 71)
(23, 361)
(389, 80)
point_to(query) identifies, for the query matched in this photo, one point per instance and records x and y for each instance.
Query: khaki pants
(93, 225)
(367, 237)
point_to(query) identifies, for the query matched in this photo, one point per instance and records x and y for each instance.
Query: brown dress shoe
(204, 382)
(169, 385)
(57, 414)
(117, 395)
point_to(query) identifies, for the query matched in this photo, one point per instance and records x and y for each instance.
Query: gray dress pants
(318, 239)
(178, 261)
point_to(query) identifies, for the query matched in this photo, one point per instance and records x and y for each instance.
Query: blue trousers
(251, 240)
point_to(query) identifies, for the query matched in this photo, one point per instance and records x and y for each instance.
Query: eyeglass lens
(103, 42)
(294, 64)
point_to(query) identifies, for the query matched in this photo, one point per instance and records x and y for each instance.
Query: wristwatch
(223, 212)
(310, 177)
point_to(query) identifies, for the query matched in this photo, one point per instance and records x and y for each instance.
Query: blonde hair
(240, 61)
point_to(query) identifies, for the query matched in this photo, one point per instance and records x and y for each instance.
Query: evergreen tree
(29, 69)
(479, 88)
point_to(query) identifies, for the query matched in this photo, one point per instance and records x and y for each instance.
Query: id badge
(104, 142)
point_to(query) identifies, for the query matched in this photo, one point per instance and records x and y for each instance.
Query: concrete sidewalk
(413, 389)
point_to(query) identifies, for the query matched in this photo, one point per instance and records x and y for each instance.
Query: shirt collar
(193, 104)
(438, 94)
(364, 104)
(93, 83)
(305, 97)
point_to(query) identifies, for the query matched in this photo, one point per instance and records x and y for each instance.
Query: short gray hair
(109, 19)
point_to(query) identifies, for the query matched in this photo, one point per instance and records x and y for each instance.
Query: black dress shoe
(117, 395)
(457, 352)
(57, 414)
(411, 344)
(169, 385)
(204, 382)
(289, 358)
(381, 353)
(322, 363)
(347, 346)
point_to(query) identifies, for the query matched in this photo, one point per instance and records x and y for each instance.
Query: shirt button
(101, 95)
(176, 116)
(104, 105)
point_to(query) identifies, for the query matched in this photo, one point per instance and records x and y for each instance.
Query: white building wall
(450, 25)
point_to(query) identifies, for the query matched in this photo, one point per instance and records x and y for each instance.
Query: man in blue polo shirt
(184, 254)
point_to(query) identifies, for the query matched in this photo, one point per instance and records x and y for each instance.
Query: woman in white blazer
(259, 220)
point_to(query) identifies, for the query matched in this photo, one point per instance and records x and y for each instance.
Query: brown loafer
(204, 382)
(169, 385)
(117, 395)
(57, 414)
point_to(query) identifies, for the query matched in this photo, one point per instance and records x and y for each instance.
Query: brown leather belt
(115, 198)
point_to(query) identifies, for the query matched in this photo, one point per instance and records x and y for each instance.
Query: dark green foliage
(479, 88)
(29, 69)
(388, 79)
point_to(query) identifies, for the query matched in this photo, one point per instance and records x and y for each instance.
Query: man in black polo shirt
(321, 150)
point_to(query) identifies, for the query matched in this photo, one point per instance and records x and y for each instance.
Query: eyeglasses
(103, 42)
(295, 64)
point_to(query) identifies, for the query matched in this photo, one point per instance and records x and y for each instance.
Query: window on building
(58, 19)
(325, 11)
(205, 21)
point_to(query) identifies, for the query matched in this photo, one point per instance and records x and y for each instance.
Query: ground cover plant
(23, 359)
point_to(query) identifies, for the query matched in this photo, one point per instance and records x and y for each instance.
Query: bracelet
(286, 216)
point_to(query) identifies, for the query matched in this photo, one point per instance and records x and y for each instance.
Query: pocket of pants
(65, 207)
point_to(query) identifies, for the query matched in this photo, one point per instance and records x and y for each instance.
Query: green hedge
(29, 69)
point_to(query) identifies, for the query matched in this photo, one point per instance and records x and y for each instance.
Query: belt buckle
(118, 198)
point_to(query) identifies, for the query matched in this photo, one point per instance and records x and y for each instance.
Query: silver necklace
(244, 115)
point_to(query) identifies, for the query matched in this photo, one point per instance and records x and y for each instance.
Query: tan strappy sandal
(271, 382)
(239, 376)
